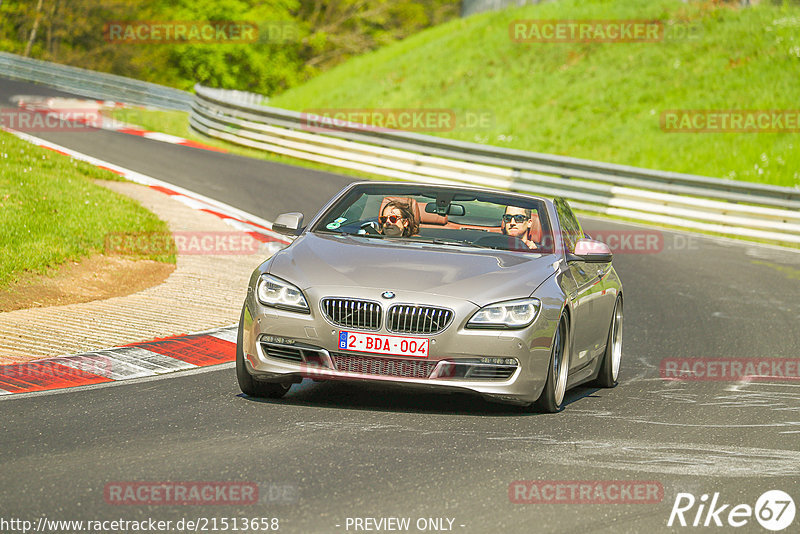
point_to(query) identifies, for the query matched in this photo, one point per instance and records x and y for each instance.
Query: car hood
(478, 275)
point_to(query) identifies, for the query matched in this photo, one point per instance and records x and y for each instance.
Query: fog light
(500, 361)
(276, 339)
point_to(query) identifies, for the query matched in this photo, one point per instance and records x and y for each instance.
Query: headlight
(510, 314)
(275, 292)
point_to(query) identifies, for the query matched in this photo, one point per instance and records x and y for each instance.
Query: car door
(585, 277)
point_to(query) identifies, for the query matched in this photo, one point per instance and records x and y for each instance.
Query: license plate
(378, 344)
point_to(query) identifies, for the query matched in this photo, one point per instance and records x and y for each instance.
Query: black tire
(609, 369)
(552, 398)
(249, 385)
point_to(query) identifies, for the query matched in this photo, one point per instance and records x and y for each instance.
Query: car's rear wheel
(249, 385)
(609, 369)
(552, 397)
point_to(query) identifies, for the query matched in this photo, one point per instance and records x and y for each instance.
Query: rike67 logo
(774, 510)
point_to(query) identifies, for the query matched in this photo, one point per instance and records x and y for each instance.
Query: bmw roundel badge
(388, 295)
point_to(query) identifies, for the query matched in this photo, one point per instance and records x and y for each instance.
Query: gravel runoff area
(203, 292)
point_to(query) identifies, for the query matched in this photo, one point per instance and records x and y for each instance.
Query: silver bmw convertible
(449, 288)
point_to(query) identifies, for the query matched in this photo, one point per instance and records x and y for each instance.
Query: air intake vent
(284, 352)
(490, 372)
(353, 313)
(410, 319)
(366, 365)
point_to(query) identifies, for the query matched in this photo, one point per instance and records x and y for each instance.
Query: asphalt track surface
(330, 451)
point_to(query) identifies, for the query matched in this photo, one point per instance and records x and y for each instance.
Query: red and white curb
(137, 360)
(149, 358)
(88, 113)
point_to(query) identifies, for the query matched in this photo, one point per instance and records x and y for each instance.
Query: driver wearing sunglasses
(397, 220)
(516, 222)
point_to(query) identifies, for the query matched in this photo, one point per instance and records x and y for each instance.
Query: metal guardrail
(728, 207)
(93, 84)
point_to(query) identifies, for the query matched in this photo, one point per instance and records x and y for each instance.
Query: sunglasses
(518, 218)
(391, 218)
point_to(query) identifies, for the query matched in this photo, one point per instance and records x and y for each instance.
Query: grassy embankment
(600, 101)
(52, 213)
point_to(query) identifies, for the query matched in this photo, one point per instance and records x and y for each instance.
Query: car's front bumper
(284, 345)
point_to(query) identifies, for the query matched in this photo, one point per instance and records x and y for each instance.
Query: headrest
(431, 218)
(535, 232)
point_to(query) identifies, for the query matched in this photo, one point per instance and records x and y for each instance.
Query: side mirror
(591, 251)
(288, 223)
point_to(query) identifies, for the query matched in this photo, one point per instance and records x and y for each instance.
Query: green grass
(600, 101)
(51, 212)
(156, 120)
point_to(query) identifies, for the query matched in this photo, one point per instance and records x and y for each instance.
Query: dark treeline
(294, 40)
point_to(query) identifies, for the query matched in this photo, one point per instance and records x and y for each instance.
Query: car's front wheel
(249, 385)
(552, 397)
(609, 369)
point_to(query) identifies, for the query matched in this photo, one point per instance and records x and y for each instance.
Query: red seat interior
(535, 232)
(433, 219)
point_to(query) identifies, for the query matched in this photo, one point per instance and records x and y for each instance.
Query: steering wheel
(370, 227)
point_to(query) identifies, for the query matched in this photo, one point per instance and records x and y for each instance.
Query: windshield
(444, 216)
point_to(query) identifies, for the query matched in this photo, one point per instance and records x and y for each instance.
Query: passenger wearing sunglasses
(397, 220)
(516, 222)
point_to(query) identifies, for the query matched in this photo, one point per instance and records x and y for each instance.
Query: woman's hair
(405, 209)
